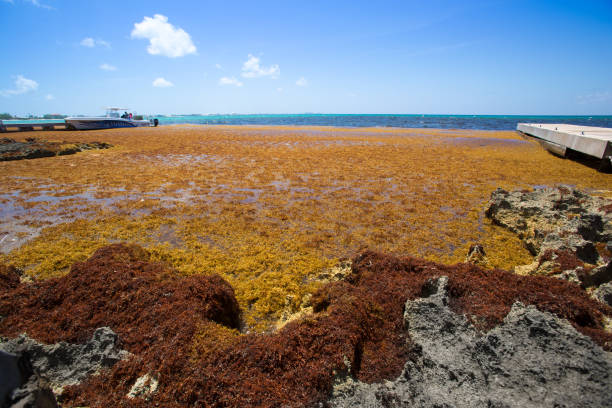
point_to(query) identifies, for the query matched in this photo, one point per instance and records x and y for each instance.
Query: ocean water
(481, 122)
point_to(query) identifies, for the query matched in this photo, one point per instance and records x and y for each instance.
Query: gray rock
(68, 364)
(562, 220)
(533, 359)
(35, 393)
(604, 293)
(20, 387)
(599, 276)
(13, 373)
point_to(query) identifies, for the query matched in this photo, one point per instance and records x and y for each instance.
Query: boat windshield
(114, 112)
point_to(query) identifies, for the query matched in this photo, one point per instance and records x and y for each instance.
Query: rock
(533, 359)
(35, 393)
(13, 373)
(336, 273)
(562, 227)
(11, 149)
(604, 294)
(597, 276)
(569, 275)
(289, 313)
(477, 256)
(68, 364)
(144, 387)
(20, 386)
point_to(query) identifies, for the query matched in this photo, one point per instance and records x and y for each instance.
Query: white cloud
(230, 81)
(38, 4)
(595, 97)
(108, 67)
(164, 38)
(49, 97)
(279, 89)
(90, 42)
(218, 66)
(162, 83)
(22, 85)
(34, 3)
(252, 69)
(103, 43)
(301, 82)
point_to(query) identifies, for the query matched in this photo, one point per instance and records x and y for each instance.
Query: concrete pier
(25, 125)
(559, 138)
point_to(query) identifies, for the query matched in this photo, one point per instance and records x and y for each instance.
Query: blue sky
(463, 57)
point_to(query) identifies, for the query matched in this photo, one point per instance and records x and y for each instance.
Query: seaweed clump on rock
(32, 148)
(509, 366)
(154, 312)
(568, 231)
(186, 351)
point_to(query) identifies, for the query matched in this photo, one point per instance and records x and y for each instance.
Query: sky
(397, 57)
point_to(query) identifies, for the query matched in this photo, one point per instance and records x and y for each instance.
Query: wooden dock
(26, 125)
(562, 139)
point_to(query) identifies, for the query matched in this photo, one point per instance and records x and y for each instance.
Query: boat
(112, 119)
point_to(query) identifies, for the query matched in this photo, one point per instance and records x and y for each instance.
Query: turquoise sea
(484, 122)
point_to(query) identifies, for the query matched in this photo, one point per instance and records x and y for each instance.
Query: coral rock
(532, 359)
(604, 293)
(564, 228)
(68, 364)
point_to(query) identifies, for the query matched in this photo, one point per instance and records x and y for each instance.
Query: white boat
(112, 120)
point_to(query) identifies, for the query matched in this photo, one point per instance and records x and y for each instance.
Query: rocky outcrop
(65, 363)
(32, 372)
(604, 293)
(533, 359)
(568, 231)
(182, 332)
(34, 393)
(11, 149)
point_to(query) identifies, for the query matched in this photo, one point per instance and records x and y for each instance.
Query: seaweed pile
(186, 349)
(32, 148)
(270, 208)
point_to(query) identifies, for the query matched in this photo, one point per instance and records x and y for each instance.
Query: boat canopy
(113, 112)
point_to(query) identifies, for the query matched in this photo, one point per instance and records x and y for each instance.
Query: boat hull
(104, 123)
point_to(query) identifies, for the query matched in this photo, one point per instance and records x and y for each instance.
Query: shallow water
(482, 122)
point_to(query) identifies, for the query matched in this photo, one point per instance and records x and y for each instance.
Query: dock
(562, 139)
(26, 125)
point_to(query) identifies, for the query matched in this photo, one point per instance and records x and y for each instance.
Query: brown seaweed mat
(182, 331)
